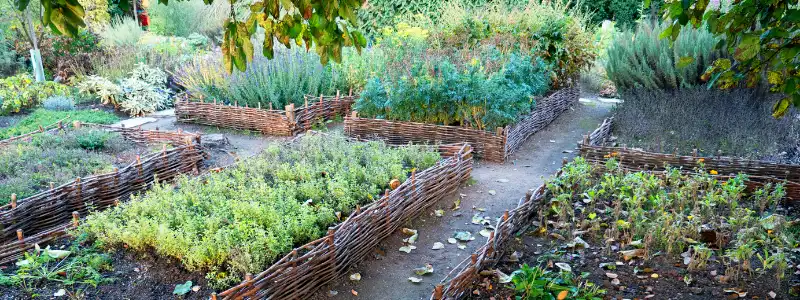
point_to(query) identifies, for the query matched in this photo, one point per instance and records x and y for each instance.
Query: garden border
(287, 122)
(305, 269)
(591, 148)
(48, 215)
(492, 146)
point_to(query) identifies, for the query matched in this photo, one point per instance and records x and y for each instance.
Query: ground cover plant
(21, 92)
(46, 117)
(701, 119)
(606, 221)
(243, 218)
(28, 167)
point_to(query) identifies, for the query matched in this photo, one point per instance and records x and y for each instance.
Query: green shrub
(737, 122)
(243, 218)
(21, 92)
(439, 93)
(121, 32)
(28, 167)
(184, 18)
(59, 103)
(624, 12)
(534, 283)
(93, 139)
(10, 62)
(640, 59)
(43, 117)
(96, 15)
(143, 92)
(286, 79)
(551, 31)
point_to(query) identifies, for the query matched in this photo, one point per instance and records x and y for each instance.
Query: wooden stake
(438, 293)
(354, 114)
(76, 124)
(13, 201)
(20, 237)
(505, 216)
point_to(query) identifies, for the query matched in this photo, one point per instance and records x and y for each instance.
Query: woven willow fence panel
(267, 121)
(759, 172)
(300, 273)
(492, 146)
(47, 215)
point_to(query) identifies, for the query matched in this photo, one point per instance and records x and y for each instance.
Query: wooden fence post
(13, 201)
(75, 218)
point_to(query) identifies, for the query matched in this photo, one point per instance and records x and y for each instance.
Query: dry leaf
(612, 275)
(437, 246)
(438, 212)
(630, 254)
(354, 292)
(415, 279)
(451, 240)
(564, 267)
(562, 295)
(355, 277)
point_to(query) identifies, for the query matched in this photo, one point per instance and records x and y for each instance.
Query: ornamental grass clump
(243, 218)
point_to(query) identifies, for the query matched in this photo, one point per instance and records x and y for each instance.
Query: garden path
(385, 274)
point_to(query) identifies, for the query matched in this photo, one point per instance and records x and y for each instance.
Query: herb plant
(243, 218)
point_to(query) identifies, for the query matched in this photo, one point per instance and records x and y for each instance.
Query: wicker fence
(759, 172)
(47, 215)
(300, 273)
(492, 146)
(268, 121)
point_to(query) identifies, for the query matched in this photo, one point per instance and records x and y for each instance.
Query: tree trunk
(36, 55)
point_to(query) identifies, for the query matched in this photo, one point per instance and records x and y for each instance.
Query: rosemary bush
(242, 219)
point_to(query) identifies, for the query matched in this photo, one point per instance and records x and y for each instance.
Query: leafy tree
(322, 23)
(761, 34)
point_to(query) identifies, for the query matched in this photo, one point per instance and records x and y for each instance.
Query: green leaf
(183, 289)
(684, 61)
(748, 47)
(780, 108)
(22, 4)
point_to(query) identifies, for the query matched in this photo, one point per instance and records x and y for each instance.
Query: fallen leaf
(630, 254)
(611, 275)
(654, 275)
(427, 269)
(355, 277)
(451, 240)
(62, 292)
(485, 232)
(477, 219)
(492, 192)
(415, 279)
(615, 281)
(462, 246)
(481, 209)
(514, 257)
(439, 212)
(354, 292)
(332, 293)
(456, 204)
(195, 288)
(578, 243)
(464, 236)
(502, 277)
(562, 295)
(408, 248)
(772, 294)
(182, 289)
(564, 267)
(437, 246)
(57, 253)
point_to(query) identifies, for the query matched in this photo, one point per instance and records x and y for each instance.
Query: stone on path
(216, 140)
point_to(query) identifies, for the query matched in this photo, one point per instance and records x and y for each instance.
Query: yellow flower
(690, 217)
(606, 156)
(614, 153)
(714, 172)
(701, 160)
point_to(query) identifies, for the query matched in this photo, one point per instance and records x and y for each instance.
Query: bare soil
(497, 187)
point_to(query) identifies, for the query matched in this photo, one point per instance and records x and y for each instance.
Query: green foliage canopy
(761, 34)
(326, 25)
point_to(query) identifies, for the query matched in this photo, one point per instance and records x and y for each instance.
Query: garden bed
(492, 146)
(46, 215)
(311, 183)
(470, 277)
(268, 121)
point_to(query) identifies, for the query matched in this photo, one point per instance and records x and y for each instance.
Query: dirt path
(385, 275)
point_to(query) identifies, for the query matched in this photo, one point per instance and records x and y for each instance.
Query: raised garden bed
(493, 146)
(47, 215)
(340, 175)
(467, 279)
(288, 122)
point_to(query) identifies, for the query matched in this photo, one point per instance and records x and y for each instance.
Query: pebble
(697, 290)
